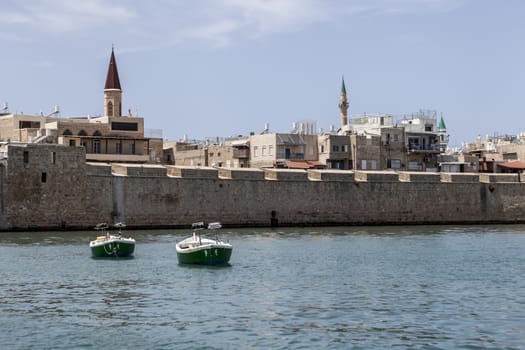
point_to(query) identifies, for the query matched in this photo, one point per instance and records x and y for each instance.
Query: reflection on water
(435, 287)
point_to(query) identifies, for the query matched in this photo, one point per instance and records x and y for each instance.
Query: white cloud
(393, 7)
(218, 31)
(67, 16)
(161, 23)
(225, 19)
(12, 17)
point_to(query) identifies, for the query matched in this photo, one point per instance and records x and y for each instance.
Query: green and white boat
(201, 250)
(109, 245)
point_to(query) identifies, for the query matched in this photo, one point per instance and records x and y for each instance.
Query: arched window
(110, 109)
(67, 132)
(97, 133)
(82, 133)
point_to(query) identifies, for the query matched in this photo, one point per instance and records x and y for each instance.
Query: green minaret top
(442, 126)
(343, 87)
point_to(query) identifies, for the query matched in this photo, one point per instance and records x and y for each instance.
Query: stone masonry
(48, 187)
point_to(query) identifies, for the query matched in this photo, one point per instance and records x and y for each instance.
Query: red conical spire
(112, 80)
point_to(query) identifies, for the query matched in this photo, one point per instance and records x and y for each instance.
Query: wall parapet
(193, 172)
(138, 170)
(493, 178)
(331, 175)
(285, 174)
(460, 177)
(376, 176)
(241, 174)
(414, 176)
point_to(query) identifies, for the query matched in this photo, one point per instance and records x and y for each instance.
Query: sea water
(420, 287)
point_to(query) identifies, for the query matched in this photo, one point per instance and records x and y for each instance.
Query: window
(132, 148)
(67, 132)
(53, 157)
(72, 143)
(82, 133)
(110, 109)
(22, 124)
(118, 147)
(428, 127)
(263, 151)
(322, 148)
(96, 146)
(345, 148)
(255, 151)
(43, 177)
(335, 148)
(394, 163)
(396, 138)
(124, 126)
(26, 157)
(413, 143)
(270, 150)
(97, 133)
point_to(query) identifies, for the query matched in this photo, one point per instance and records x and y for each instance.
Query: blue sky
(208, 68)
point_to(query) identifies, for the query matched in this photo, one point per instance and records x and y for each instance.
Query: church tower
(112, 90)
(343, 105)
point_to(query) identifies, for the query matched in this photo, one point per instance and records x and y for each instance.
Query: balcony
(241, 153)
(423, 148)
(290, 155)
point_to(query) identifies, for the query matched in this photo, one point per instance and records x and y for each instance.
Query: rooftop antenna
(55, 111)
(5, 107)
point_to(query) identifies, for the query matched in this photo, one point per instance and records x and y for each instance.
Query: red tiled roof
(515, 164)
(112, 80)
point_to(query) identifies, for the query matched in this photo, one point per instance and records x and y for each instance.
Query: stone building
(334, 151)
(283, 150)
(392, 148)
(411, 143)
(230, 153)
(422, 141)
(108, 138)
(366, 151)
(187, 153)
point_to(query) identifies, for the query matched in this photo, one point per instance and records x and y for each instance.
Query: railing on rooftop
(153, 133)
(416, 148)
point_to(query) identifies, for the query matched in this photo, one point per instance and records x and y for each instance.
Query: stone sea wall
(77, 195)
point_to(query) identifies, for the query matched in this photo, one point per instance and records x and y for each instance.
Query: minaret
(112, 90)
(443, 137)
(343, 105)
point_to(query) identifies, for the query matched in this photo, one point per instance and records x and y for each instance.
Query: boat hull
(116, 248)
(206, 255)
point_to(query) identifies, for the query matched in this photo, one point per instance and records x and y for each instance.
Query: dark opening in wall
(26, 157)
(44, 177)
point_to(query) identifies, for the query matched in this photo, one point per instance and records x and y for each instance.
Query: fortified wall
(52, 187)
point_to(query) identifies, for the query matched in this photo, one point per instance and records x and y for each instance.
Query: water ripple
(332, 288)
